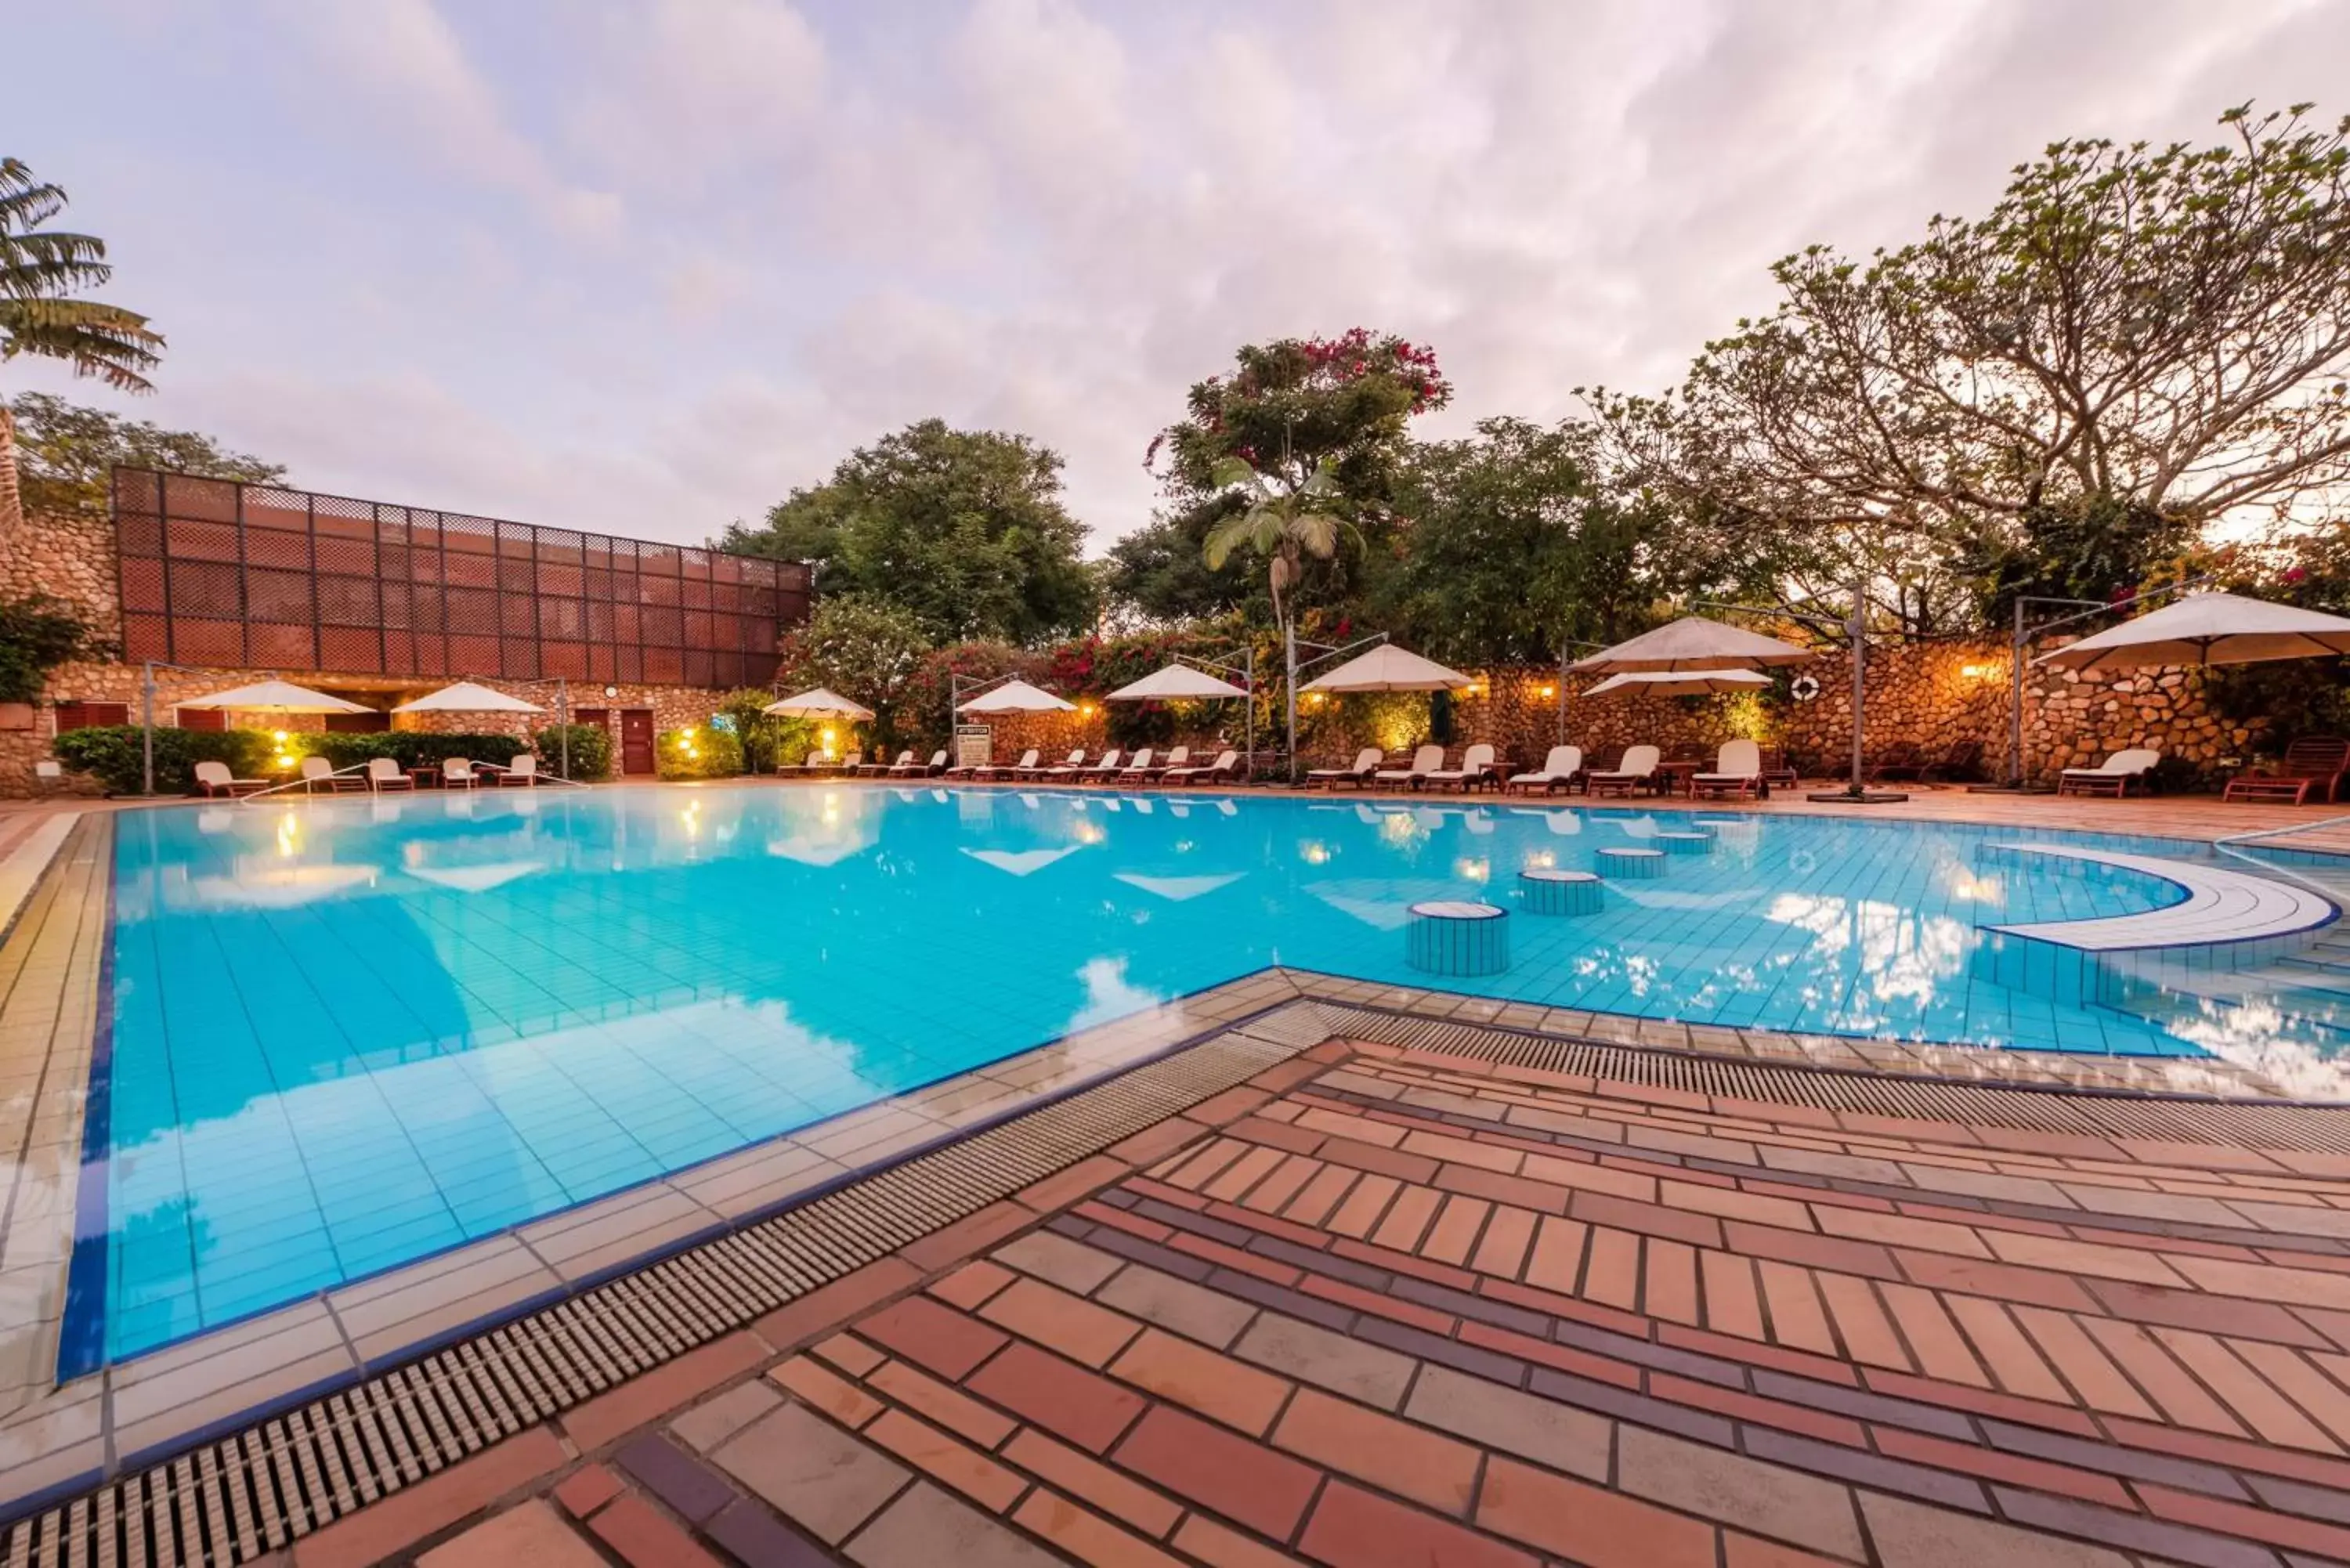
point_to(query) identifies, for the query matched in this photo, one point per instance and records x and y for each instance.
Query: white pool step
(2229, 920)
(2221, 906)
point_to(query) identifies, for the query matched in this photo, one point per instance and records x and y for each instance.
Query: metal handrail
(2231, 843)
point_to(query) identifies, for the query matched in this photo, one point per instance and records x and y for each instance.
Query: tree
(40, 269)
(1515, 545)
(1282, 519)
(37, 635)
(1292, 408)
(2167, 330)
(67, 453)
(868, 650)
(963, 529)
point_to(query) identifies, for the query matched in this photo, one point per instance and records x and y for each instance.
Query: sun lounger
(522, 769)
(1366, 762)
(2313, 766)
(1067, 767)
(850, 763)
(1637, 768)
(1226, 766)
(213, 778)
(906, 767)
(1027, 764)
(1476, 763)
(2113, 776)
(457, 773)
(1110, 767)
(1181, 757)
(877, 768)
(1144, 769)
(1424, 762)
(1778, 769)
(818, 763)
(384, 773)
(1737, 771)
(1558, 770)
(317, 770)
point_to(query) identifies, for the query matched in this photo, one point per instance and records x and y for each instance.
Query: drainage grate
(2268, 1124)
(235, 1499)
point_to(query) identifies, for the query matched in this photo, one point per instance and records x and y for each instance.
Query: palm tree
(1283, 523)
(38, 270)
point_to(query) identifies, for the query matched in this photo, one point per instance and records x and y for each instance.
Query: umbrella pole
(1859, 674)
(147, 725)
(1248, 710)
(1289, 693)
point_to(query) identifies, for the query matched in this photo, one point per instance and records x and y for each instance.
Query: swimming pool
(349, 1033)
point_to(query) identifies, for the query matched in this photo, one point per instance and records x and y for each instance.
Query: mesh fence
(249, 576)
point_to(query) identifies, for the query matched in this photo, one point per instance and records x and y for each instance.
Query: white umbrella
(1692, 642)
(1677, 683)
(1388, 668)
(467, 697)
(2209, 629)
(820, 703)
(1177, 682)
(1016, 697)
(274, 697)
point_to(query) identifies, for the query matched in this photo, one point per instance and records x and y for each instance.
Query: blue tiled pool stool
(1631, 862)
(1544, 891)
(1451, 937)
(1684, 843)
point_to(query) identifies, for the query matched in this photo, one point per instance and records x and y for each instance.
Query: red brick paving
(1543, 1320)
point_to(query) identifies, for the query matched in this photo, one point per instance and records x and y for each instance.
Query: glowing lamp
(1550, 692)
(279, 736)
(827, 740)
(1974, 671)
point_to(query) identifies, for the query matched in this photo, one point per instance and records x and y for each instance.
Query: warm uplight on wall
(1548, 693)
(1470, 691)
(1977, 671)
(1313, 698)
(828, 742)
(1085, 710)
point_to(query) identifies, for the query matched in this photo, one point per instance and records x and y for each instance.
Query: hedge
(703, 751)
(113, 753)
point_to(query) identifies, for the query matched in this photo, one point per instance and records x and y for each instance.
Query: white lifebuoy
(1803, 687)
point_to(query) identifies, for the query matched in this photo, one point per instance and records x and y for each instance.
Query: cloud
(646, 264)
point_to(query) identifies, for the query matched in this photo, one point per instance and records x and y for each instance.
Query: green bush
(590, 746)
(409, 748)
(700, 752)
(113, 753)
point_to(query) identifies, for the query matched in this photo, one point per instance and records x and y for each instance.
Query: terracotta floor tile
(1668, 1288)
(587, 1489)
(1057, 1260)
(1556, 1264)
(1193, 1311)
(928, 1527)
(1455, 1231)
(1243, 1481)
(969, 1287)
(1075, 1327)
(1366, 1203)
(1733, 1306)
(1354, 1529)
(1088, 1410)
(1543, 1431)
(1407, 1218)
(1365, 1373)
(956, 1464)
(1731, 1488)
(1087, 1536)
(836, 1397)
(949, 1408)
(1861, 1321)
(1223, 1547)
(1393, 1456)
(932, 1335)
(1939, 1349)
(529, 1532)
(646, 1537)
(2014, 1365)
(1217, 1387)
(2077, 1359)
(819, 1477)
(1120, 1496)
(1588, 1524)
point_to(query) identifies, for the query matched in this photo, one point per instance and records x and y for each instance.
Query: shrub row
(114, 753)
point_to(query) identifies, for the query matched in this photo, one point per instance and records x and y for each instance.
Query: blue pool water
(349, 1033)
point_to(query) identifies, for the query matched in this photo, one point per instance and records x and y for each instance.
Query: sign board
(975, 745)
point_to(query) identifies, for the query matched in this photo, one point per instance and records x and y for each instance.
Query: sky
(647, 265)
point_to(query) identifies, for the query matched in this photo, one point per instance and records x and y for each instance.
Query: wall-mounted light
(1975, 671)
(1085, 710)
(1549, 691)
(1313, 698)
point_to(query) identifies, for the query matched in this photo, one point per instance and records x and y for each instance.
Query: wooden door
(636, 740)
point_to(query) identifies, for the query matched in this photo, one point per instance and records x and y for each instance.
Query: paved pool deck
(1384, 1307)
(1352, 1275)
